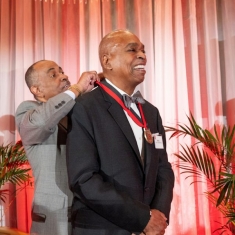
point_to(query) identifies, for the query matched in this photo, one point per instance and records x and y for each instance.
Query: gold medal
(148, 136)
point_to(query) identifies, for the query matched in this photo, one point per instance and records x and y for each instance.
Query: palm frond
(231, 216)
(196, 157)
(204, 136)
(3, 194)
(226, 187)
(199, 160)
(14, 166)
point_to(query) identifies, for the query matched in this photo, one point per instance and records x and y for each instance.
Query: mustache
(67, 84)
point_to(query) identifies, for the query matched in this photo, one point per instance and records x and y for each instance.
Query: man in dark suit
(43, 129)
(117, 163)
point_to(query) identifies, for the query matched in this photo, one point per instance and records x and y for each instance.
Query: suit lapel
(62, 131)
(148, 147)
(148, 156)
(120, 118)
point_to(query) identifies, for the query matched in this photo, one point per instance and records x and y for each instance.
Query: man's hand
(101, 76)
(157, 224)
(87, 80)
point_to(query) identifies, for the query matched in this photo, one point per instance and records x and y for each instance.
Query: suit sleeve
(37, 121)
(87, 183)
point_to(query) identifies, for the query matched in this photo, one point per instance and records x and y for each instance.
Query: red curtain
(190, 49)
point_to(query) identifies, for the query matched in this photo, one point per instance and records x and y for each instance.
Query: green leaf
(211, 156)
(12, 166)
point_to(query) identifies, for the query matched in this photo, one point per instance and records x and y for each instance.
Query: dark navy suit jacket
(112, 189)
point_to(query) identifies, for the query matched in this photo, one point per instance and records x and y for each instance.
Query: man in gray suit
(118, 167)
(43, 128)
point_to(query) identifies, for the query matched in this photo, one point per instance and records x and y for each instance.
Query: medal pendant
(148, 136)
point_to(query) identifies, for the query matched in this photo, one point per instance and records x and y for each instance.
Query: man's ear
(35, 90)
(106, 62)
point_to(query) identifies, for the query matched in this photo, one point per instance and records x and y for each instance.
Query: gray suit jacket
(44, 142)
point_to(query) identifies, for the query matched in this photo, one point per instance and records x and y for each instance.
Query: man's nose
(64, 78)
(141, 55)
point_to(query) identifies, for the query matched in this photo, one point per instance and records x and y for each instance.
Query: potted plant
(211, 156)
(12, 160)
(14, 168)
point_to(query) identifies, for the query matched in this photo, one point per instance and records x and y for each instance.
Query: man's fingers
(101, 76)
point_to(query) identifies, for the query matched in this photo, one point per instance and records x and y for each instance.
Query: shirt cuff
(71, 94)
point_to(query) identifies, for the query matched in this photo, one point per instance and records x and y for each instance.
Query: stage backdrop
(190, 47)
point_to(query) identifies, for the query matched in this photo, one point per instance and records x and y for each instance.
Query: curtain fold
(190, 47)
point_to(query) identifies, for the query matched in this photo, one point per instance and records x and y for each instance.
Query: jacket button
(56, 106)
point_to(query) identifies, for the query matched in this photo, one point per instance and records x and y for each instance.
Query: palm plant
(12, 158)
(210, 157)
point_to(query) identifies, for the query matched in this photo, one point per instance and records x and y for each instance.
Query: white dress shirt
(137, 130)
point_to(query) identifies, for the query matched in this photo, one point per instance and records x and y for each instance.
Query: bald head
(110, 42)
(123, 59)
(46, 79)
(30, 76)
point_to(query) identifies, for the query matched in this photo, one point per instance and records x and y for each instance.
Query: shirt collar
(118, 89)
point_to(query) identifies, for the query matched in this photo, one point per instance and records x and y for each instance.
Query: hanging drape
(190, 47)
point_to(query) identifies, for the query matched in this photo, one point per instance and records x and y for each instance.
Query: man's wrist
(150, 213)
(75, 88)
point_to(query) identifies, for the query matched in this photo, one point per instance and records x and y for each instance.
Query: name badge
(158, 142)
